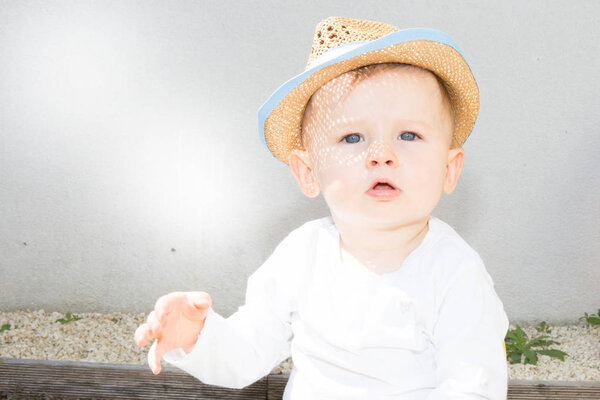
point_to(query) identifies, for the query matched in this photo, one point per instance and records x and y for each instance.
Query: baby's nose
(381, 153)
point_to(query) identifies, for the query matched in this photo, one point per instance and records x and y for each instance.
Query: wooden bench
(40, 379)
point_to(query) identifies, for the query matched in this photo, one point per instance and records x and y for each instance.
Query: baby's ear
(299, 162)
(454, 166)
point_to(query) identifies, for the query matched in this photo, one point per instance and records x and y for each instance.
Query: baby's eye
(408, 136)
(352, 138)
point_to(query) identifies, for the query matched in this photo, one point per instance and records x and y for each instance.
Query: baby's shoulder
(301, 244)
(309, 233)
(451, 255)
(291, 261)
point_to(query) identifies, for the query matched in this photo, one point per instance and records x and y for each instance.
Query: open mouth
(383, 190)
(383, 186)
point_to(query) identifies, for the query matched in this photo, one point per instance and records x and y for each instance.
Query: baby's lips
(382, 180)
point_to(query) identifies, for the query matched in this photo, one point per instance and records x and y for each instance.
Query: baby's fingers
(151, 329)
(154, 358)
(165, 304)
(142, 334)
(157, 351)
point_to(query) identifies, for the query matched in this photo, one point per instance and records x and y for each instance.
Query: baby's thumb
(199, 302)
(154, 358)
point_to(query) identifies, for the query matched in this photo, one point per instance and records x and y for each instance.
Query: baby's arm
(176, 322)
(468, 337)
(235, 352)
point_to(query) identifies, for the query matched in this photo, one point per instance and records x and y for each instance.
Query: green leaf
(543, 327)
(539, 341)
(530, 357)
(514, 358)
(518, 335)
(554, 353)
(5, 327)
(70, 318)
(591, 318)
(594, 320)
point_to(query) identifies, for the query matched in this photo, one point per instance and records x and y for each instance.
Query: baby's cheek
(432, 191)
(334, 191)
(341, 198)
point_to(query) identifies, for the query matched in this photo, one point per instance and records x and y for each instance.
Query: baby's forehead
(334, 91)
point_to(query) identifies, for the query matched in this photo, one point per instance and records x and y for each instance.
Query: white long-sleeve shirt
(433, 329)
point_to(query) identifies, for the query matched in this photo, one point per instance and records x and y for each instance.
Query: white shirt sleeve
(237, 351)
(468, 338)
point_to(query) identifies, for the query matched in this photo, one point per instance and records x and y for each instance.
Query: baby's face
(392, 126)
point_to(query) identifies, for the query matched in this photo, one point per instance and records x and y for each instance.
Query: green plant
(518, 345)
(5, 327)
(543, 328)
(592, 319)
(70, 318)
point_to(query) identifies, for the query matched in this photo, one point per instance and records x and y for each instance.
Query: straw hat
(343, 44)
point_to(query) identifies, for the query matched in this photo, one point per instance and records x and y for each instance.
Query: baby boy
(380, 299)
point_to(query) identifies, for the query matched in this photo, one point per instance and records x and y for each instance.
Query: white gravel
(108, 338)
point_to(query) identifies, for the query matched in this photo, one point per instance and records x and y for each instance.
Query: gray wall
(130, 164)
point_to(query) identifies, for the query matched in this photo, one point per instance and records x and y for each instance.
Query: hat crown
(345, 44)
(333, 32)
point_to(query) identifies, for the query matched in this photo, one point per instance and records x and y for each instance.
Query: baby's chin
(379, 219)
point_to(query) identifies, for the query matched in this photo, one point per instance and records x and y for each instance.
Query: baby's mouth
(383, 186)
(383, 190)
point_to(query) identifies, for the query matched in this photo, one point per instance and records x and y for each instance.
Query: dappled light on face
(321, 124)
(331, 126)
(376, 140)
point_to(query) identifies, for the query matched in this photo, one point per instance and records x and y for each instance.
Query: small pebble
(108, 338)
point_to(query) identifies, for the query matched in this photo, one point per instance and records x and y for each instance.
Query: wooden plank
(276, 386)
(567, 390)
(111, 381)
(41, 379)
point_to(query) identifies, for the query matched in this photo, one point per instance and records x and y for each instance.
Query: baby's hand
(177, 320)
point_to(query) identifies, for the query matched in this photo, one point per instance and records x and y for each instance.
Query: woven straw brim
(282, 127)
